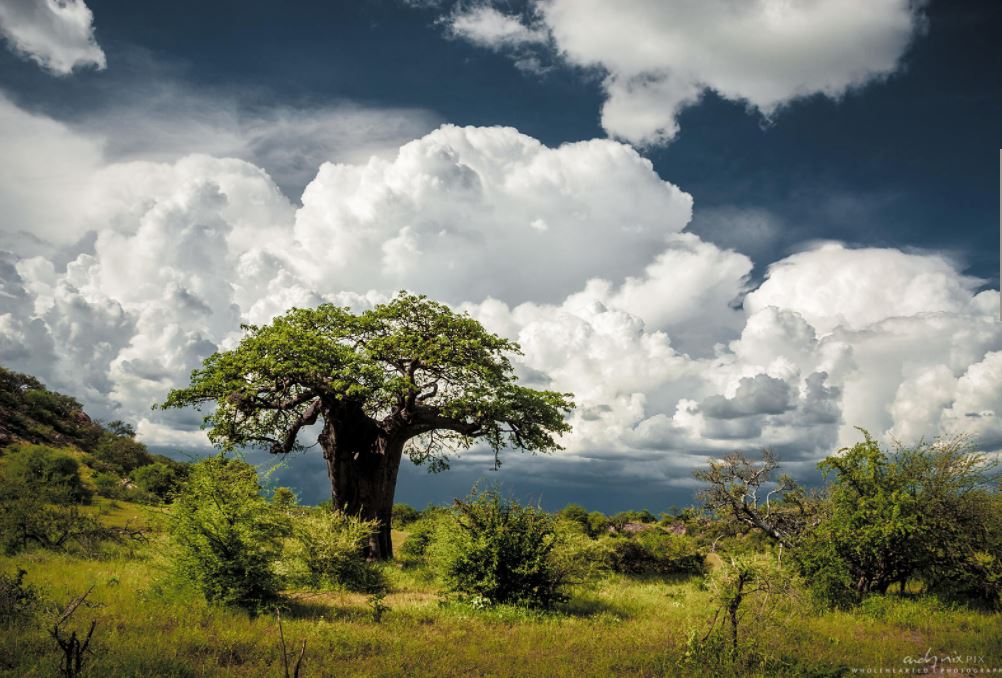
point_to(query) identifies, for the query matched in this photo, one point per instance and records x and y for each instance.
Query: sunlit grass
(147, 625)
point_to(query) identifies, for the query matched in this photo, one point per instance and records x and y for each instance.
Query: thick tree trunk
(362, 464)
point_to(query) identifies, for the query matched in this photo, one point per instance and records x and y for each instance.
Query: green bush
(159, 479)
(623, 517)
(574, 513)
(40, 494)
(598, 523)
(655, 552)
(977, 580)
(119, 450)
(28, 518)
(19, 602)
(110, 485)
(284, 498)
(228, 538)
(404, 515)
(52, 474)
(329, 548)
(579, 558)
(502, 552)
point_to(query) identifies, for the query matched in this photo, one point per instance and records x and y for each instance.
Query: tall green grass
(149, 625)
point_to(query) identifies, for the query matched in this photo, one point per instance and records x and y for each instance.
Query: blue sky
(841, 184)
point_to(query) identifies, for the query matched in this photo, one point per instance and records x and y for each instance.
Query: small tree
(409, 375)
(598, 523)
(915, 512)
(228, 537)
(159, 479)
(734, 583)
(19, 602)
(40, 495)
(119, 449)
(743, 492)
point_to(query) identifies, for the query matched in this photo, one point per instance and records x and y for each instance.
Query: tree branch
(425, 419)
(307, 418)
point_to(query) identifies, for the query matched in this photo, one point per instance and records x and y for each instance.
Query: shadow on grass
(303, 607)
(584, 606)
(673, 579)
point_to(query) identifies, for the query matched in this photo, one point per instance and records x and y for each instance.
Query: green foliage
(28, 518)
(439, 372)
(329, 549)
(110, 485)
(228, 538)
(122, 453)
(830, 578)
(503, 552)
(53, 474)
(920, 512)
(40, 495)
(19, 602)
(623, 517)
(578, 558)
(160, 479)
(598, 523)
(404, 515)
(377, 608)
(421, 533)
(284, 498)
(575, 513)
(655, 551)
(976, 579)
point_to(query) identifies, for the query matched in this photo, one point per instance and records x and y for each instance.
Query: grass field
(147, 626)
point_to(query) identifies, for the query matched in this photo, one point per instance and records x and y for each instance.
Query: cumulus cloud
(832, 286)
(463, 213)
(485, 26)
(580, 253)
(61, 181)
(660, 56)
(46, 174)
(56, 34)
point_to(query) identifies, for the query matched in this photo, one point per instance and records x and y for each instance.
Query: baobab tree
(408, 376)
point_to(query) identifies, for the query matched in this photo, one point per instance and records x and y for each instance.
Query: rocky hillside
(31, 413)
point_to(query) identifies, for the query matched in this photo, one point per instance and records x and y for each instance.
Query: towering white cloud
(659, 56)
(464, 213)
(56, 34)
(578, 252)
(46, 174)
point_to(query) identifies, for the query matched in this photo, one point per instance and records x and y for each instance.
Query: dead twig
(73, 648)
(285, 653)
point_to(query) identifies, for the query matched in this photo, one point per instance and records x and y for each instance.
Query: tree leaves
(417, 369)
